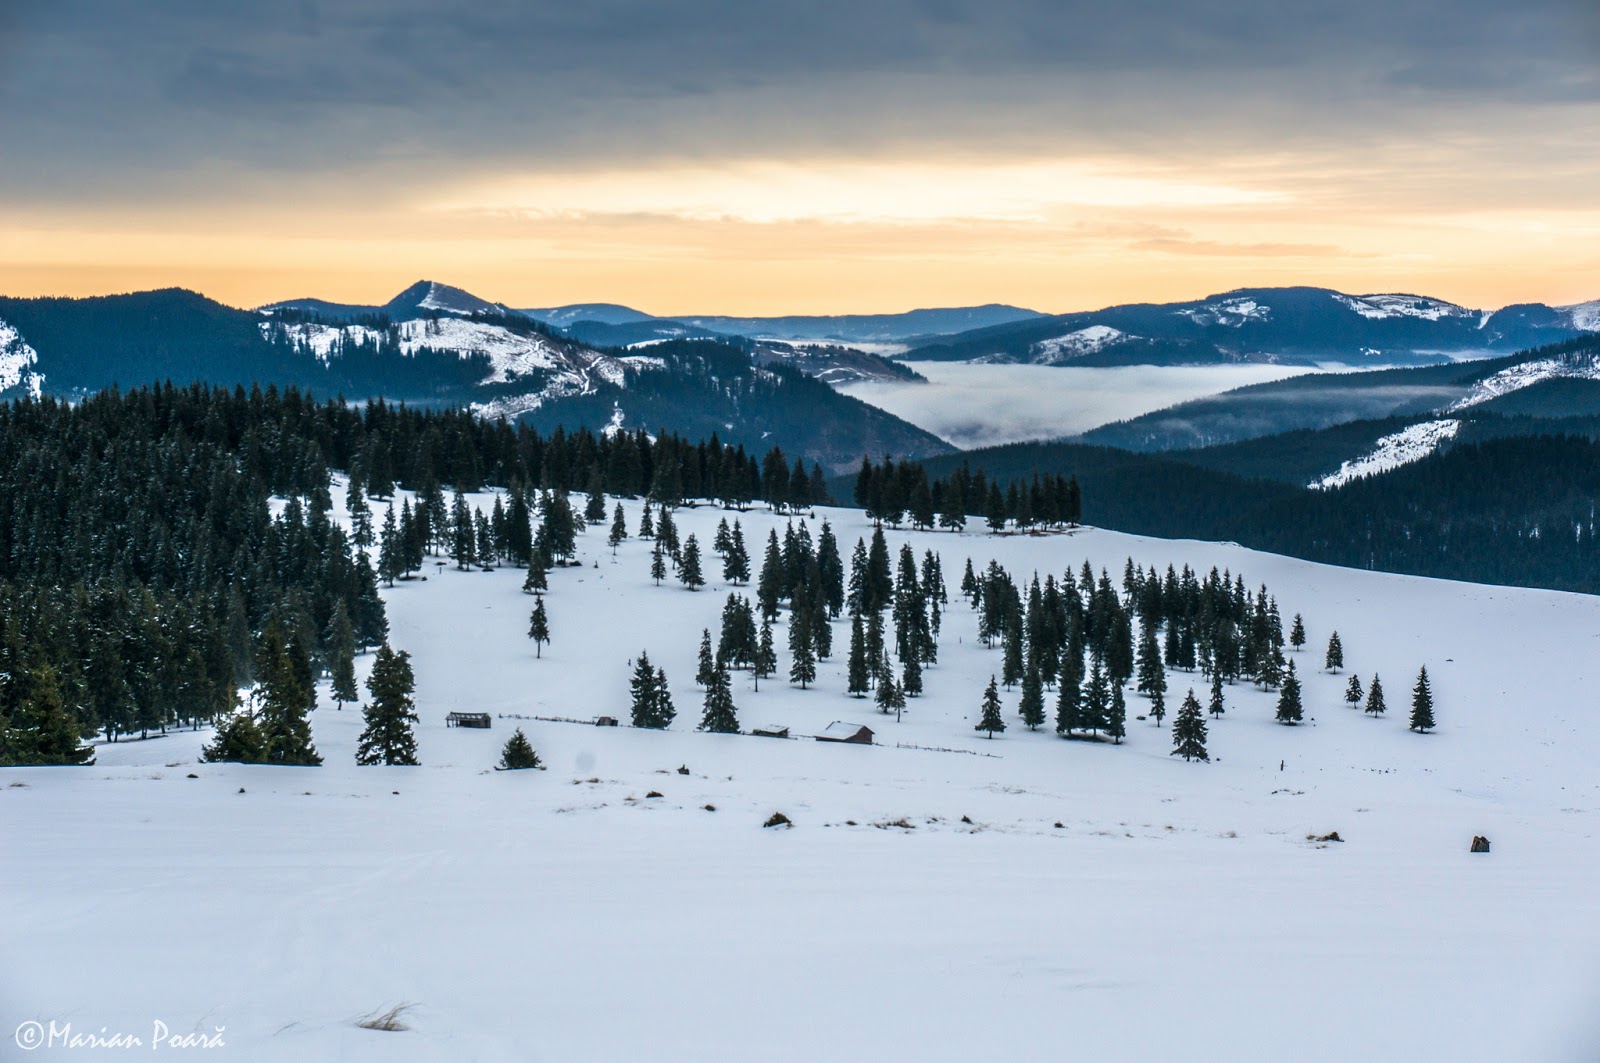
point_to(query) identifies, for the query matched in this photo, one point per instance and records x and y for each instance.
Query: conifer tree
(536, 582)
(890, 697)
(707, 661)
(1422, 704)
(720, 717)
(1297, 633)
(1289, 708)
(1117, 715)
(49, 734)
(463, 539)
(736, 562)
(518, 753)
(344, 665)
(911, 678)
(1352, 691)
(990, 720)
(1069, 694)
(802, 652)
(391, 552)
(1032, 702)
(1189, 730)
(1375, 703)
(238, 739)
(285, 732)
(766, 661)
(658, 563)
(859, 679)
(387, 738)
(1216, 708)
(652, 704)
(360, 514)
(769, 587)
(647, 527)
(539, 628)
(1335, 658)
(619, 529)
(1158, 706)
(1097, 698)
(689, 573)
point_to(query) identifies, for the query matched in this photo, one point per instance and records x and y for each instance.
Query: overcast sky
(721, 156)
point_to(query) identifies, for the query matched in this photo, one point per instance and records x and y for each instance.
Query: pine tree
(1375, 704)
(890, 697)
(911, 678)
(766, 661)
(689, 573)
(1297, 634)
(1189, 730)
(707, 661)
(539, 628)
(1032, 703)
(1069, 695)
(1097, 698)
(1289, 708)
(802, 652)
(1335, 658)
(387, 738)
(1422, 704)
(1117, 715)
(518, 754)
(238, 739)
(1352, 691)
(652, 704)
(720, 715)
(1217, 708)
(858, 674)
(647, 527)
(1158, 706)
(391, 551)
(536, 581)
(619, 529)
(340, 643)
(991, 720)
(658, 563)
(285, 732)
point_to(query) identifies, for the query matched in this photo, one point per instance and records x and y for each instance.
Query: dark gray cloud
(176, 93)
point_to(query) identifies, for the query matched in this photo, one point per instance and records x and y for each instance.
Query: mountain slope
(1297, 325)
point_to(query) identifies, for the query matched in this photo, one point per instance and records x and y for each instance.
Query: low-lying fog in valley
(975, 406)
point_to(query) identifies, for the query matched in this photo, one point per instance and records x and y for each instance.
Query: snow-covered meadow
(1104, 903)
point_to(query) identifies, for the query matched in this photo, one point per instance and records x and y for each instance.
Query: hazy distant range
(977, 405)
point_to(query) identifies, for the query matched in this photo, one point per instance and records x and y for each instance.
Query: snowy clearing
(15, 359)
(1392, 451)
(1178, 911)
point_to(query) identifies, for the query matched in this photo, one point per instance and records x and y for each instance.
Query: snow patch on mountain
(1583, 366)
(1585, 316)
(15, 359)
(1232, 312)
(1392, 451)
(510, 354)
(323, 341)
(1379, 307)
(1076, 344)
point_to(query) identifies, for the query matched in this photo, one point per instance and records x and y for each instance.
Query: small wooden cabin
(771, 730)
(839, 731)
(606, 721)
(467, 719)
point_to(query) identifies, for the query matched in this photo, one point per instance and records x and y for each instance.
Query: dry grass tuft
(391, 1021)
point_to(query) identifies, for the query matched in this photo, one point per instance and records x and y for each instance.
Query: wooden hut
(467, 719)
(839, 731)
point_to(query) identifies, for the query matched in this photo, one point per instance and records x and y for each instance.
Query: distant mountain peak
(432, 297)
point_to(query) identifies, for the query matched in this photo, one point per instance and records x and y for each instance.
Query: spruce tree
(285, 731)
(1297, 633)
(720, 716)
(238, 739)
(736, 563)
(652, 705)
(1289, 708)
(766, 661)
(1097, 698)
(518, 754)
(1189, 730)
(1117, 715)
(539, 628)
(1422, 704)
(859, 678)
(1217, 708)
(1158, 706)
(1375, 704)
(619, 529)
(911, 678)
(647, 527)
(1335, 658)
(1069, 695)
(802, 652)
(50, 734)
(387, 738)
(341, 643)
(890, 697)
(658, 563)
(689, 573)
(536, 581)
(1352, 691)
(707, 661)
(1032, 702)
(991, 720)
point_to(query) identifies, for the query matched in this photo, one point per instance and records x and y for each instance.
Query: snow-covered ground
(1077, 343)
(16, 361)
(1104, 903)
(1410, 444)
(1378, 307)
(973, 405)
(1526, 374)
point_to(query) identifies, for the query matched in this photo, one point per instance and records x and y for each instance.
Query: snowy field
(973, 405)
(1104, 903)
